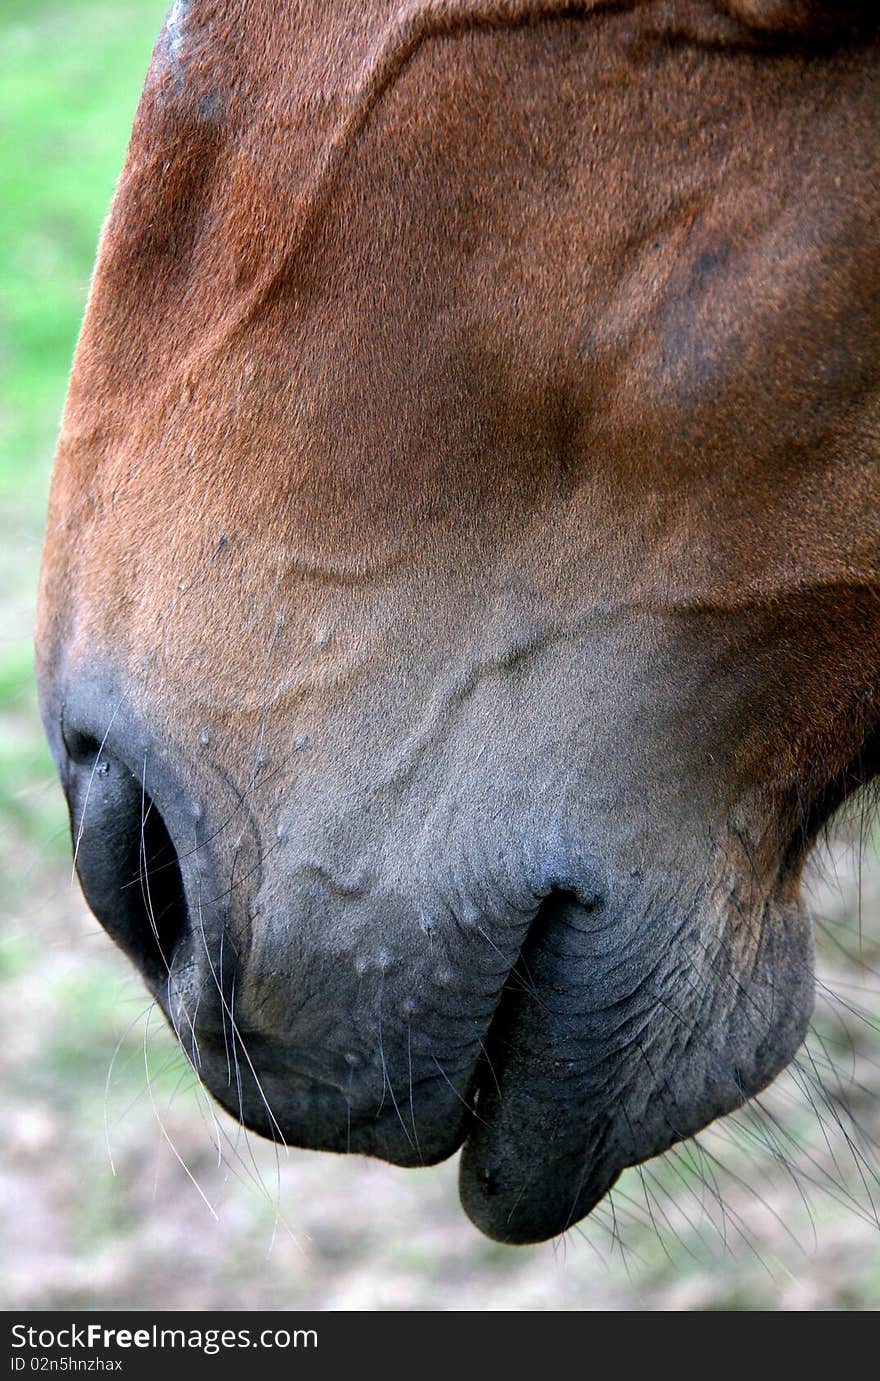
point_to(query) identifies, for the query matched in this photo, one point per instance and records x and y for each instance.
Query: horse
(459, 606)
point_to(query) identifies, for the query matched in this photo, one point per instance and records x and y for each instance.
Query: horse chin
(581, 1083)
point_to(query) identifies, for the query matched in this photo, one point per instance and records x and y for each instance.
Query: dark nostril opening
(124, 857)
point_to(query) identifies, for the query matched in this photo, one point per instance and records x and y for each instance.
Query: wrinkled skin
(463, 562)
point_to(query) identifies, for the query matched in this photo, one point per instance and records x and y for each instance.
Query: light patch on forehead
(177, 39)
(185, 35)
(182, 35)
(174, 26)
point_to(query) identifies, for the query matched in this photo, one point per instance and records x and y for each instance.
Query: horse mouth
(572, 1053)
(534, 1116)
(576, 1078)
(301, 1098)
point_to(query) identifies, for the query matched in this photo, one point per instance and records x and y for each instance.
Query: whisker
(178, 1157)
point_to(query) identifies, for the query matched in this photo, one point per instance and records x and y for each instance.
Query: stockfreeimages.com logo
(94, 1337)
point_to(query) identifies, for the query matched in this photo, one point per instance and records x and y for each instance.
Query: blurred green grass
(71, 74)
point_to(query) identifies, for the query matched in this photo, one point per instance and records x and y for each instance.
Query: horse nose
(124, 855)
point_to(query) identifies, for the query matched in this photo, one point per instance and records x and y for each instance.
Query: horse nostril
(124, 857)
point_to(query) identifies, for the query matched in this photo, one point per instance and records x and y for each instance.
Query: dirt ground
(114, 1194)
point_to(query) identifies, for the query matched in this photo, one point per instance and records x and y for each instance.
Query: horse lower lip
(224, 1047)
(321, 1115)
(502, 1169)
(275, 1087)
